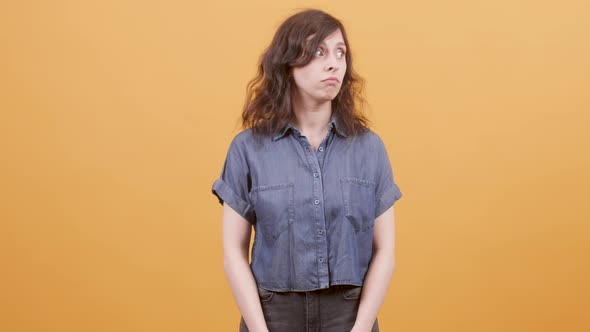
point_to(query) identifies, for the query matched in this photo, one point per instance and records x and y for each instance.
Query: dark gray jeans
(324, 310)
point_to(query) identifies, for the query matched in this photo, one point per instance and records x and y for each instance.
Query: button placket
(314, 160)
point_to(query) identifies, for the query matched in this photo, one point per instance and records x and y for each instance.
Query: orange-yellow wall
(116, 117)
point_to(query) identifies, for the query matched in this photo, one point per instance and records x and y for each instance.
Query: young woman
(315, 183)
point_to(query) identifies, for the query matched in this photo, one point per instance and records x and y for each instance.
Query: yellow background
(116, 117)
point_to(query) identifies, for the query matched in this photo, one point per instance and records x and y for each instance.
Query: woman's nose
(332, 65)
(332, 62)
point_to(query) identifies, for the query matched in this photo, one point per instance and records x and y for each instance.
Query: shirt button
(307, 149)
(321, 148)
(320, 232)
(315, 175)
(321, 260)
(317, 201)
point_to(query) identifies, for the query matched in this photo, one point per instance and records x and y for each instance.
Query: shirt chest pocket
(358, 196)
(274, 206)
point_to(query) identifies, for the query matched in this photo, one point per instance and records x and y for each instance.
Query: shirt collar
(333, 123)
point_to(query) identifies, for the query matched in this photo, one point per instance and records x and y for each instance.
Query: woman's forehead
(334, 37)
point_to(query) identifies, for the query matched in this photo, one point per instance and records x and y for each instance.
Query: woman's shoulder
(242, 136)
(245, 140)
(369, 138)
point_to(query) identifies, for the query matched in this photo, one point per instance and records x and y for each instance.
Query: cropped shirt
(313, 212)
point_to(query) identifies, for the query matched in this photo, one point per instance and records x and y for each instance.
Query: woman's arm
(379, 273)
(236, 243)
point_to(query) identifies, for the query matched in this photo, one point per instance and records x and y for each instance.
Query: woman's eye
(319, 52)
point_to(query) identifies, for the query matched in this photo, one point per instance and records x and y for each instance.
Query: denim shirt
(313, 212)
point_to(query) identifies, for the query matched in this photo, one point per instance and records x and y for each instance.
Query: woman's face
(328, 61)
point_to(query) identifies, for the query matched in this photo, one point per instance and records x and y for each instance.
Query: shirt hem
(334, 283)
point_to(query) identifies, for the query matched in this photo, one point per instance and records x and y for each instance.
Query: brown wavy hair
(268, 105)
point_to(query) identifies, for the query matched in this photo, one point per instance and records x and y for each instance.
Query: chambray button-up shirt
(313, 212)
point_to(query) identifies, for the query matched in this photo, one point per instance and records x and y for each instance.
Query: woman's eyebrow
(339, 43)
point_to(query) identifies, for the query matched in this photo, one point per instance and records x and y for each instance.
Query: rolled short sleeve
(387, 191)
(232, 186)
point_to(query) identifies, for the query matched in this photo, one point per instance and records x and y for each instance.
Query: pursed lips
(331, 79)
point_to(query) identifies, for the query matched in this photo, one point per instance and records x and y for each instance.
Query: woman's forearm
(374, 289)
(245, 292)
